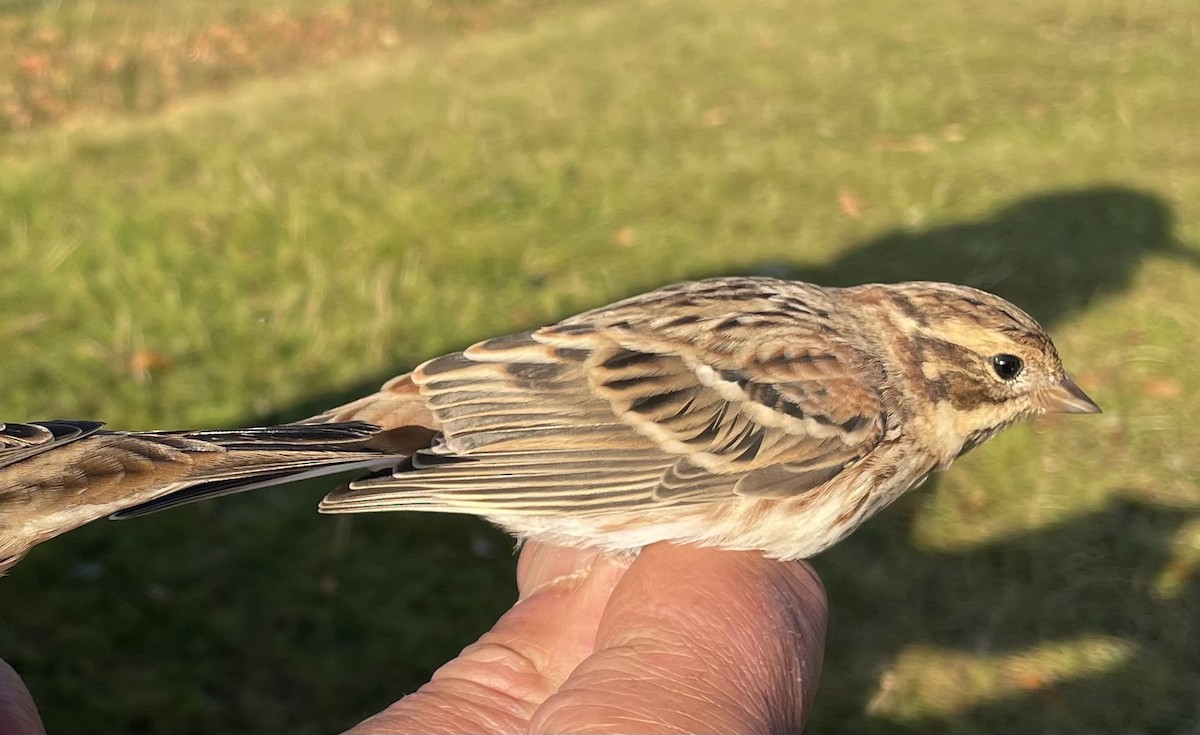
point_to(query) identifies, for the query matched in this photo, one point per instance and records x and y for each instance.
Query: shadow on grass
(1054, 254)
(306, 623)
(1051, 254)
(1089, 577)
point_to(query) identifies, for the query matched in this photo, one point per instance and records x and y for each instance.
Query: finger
(497, 683)
(698, 640)
(542, 564)
(18, 714)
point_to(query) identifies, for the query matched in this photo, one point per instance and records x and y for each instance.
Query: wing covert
(683, 402)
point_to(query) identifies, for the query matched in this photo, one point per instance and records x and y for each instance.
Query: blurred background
(231, 212)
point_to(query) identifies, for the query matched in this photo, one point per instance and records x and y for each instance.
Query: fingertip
(695, 635)
(541, 565)
(732, 575)
(496, 683)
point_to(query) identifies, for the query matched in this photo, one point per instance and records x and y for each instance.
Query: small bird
(58, 475)
(740, 413)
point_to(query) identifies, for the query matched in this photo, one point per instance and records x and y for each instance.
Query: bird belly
(789, 528)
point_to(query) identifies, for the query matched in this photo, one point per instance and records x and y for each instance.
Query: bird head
(982, 362)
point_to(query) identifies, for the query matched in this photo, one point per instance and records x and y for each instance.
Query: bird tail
(238, 460)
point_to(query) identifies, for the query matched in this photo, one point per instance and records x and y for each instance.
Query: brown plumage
(58, 475)
(743, 413)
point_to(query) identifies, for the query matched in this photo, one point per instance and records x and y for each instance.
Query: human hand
(18, 715)
(680, 640)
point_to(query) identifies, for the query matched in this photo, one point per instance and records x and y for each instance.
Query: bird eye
(1008, 367)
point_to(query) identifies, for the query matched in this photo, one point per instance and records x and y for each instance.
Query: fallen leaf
(1162, 388)
(1031, 681)
(35, 65)
(713, 118)
(142, 364)
(850, 205)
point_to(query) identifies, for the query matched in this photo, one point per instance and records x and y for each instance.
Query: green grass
(258, 247)
(69, 57)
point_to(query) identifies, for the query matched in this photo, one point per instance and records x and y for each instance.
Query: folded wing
(635, 407)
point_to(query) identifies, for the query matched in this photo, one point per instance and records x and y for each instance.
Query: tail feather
(249, 459)
(58, 475)
(232, 485)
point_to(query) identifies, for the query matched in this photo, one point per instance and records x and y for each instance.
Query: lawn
(285, 202)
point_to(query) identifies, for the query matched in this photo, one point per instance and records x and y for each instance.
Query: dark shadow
(1054, 254)
(334, 641)
(1051, 254)
(1090, 577)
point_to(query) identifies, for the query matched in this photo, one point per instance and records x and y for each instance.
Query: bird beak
(1066, 397)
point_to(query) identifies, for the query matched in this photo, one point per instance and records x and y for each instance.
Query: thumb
(699, 640)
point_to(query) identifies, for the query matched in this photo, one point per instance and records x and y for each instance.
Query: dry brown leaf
(142, 364)
(850, 205)
(1032, 681)
(713, 118)
(1162, 388)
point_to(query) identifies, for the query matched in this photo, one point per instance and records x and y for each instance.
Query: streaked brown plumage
(744, 413)
(741, 413)
(57, 475)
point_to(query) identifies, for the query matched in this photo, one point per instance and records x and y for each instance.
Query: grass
(258, 245)
(73, 56)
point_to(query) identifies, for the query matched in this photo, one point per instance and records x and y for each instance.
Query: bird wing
(690, 400)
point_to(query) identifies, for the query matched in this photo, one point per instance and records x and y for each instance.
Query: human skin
(678, 639)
